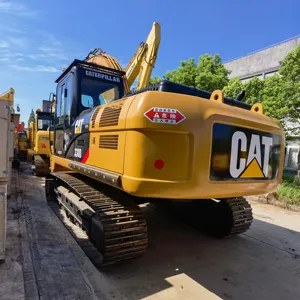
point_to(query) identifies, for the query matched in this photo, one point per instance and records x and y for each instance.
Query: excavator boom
(143, 60)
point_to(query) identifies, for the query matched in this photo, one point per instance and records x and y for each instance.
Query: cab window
(96, 92)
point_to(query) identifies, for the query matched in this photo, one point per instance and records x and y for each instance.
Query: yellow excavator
(40, 137)
(166, 144)
(21, 142)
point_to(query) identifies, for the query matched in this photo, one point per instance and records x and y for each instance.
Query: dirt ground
(181, 262)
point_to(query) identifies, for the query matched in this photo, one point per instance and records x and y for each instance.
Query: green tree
(233, 88)
(155, 80)
(209, 74)
(290, 73)
(273, 96)
(290, 66)
(254, 90)
(270, 92)
(184, 74)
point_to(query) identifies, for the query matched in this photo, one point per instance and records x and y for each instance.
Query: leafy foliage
(290, 73)
(289, 191)
(185, 74)
(290, 66)
(209, 74)
(274, 99)
(155, 80)
(254, 90)
(233, 88)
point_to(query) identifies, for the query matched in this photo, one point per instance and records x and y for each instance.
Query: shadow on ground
(183, 263)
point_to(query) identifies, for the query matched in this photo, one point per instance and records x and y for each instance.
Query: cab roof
(90, 66)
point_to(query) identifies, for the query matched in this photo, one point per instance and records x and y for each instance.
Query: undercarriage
(115, 225)
(40, 165)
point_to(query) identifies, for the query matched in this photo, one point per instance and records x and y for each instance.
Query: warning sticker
(164, 115)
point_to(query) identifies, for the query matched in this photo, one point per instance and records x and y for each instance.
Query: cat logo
(250, 159)
(78, 126)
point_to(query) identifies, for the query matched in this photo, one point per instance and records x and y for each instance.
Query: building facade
(262, 63)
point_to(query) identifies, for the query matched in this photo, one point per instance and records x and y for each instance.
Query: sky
(39, 38)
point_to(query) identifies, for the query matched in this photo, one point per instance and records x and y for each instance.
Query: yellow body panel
(59, 163)
(111, 159)
(42, 144)
(184, 148)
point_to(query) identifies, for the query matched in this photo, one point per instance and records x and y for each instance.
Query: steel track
(221, 218)
(241, 215)
(124, 228)
(41, 166)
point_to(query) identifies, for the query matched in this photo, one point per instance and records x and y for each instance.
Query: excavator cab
(44, 120)
(80, 88)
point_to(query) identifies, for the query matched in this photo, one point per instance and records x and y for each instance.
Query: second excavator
(40, 137)
(165, 143)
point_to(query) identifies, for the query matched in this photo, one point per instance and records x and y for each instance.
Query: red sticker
(164, 115)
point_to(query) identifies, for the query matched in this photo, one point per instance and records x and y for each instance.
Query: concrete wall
(261, 63)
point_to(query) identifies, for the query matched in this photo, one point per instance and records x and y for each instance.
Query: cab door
(62, 116)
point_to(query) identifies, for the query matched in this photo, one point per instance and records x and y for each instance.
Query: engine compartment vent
(110, 115)
(109, 141)
(80, 143)
(94, 116)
